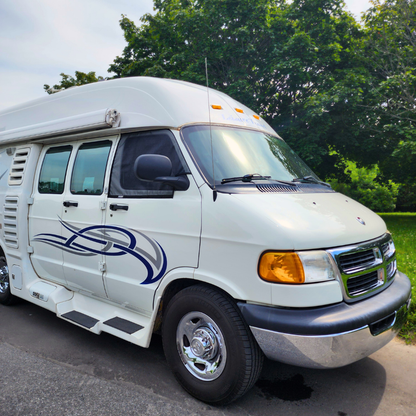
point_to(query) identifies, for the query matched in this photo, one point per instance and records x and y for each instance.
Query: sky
(41, 39)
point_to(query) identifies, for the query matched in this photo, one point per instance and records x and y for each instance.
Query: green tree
(274, 56)
(364, 188)
(391, 43)
(68, 81)
(376, 97)
(335, 90)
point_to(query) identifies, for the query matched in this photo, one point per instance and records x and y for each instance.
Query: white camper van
(140, 205)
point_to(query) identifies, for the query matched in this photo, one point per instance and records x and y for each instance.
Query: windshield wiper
(256, 177)
(284, 182)
(246, 178)
(311, 179)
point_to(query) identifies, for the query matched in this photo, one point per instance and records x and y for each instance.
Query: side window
(89, 168)
(124, 182)
(53, 171)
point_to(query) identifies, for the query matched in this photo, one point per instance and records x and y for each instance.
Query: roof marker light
(216, 107)
(256, 117)
(239, 110)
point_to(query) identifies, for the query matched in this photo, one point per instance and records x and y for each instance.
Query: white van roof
(123, 104)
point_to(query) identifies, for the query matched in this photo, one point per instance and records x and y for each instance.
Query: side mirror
(149, 167)
(158, 168)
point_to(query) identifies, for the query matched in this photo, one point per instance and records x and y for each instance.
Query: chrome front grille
(366, 268)
(391, 269)
(355, 261)
(362, 283)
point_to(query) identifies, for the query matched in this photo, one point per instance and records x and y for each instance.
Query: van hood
(312, 221)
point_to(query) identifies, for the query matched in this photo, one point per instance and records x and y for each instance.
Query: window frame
(156, 194)
(91, 143)
(70, 148)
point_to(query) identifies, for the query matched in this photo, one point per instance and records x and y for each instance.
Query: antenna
(214, 195)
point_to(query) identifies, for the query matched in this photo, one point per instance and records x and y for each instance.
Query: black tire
(6, 298)
(224, 361)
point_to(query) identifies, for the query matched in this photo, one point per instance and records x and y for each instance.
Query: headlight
(299, 267)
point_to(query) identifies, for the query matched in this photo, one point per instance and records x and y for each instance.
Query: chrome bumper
(331, 336)
(326, 351)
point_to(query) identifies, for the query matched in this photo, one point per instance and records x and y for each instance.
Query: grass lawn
(403, 229)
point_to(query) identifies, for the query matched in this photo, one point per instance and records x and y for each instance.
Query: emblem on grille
(360, 220)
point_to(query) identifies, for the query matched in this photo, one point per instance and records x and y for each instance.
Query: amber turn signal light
(282, 267)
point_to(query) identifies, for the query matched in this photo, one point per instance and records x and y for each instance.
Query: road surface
(51, 367)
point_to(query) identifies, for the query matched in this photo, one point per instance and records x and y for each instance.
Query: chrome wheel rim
(4, 276)
(201, 346)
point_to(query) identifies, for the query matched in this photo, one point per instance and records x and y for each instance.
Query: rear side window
(125, 184)
(89, 168)
(52, 174)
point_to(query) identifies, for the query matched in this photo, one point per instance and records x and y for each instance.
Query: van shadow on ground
(282, 389)
(356, 389)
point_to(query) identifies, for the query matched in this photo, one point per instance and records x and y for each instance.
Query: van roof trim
(141, 102)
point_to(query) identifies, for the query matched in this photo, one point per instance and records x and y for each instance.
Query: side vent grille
(277, 188)
(18, 166)
(10, 222)
(308, 188)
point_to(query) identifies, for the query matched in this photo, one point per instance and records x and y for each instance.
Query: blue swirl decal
(110, 240)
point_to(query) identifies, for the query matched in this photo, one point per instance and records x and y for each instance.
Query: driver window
(124, 182)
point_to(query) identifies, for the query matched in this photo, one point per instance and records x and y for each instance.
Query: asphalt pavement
(51, 367)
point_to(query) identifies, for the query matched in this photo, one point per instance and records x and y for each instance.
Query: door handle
(70, 204)
(115, 207)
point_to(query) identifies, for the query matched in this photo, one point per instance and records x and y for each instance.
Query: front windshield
(238, 152)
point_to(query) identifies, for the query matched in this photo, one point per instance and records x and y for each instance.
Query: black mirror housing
(158, 168)
(150, 167)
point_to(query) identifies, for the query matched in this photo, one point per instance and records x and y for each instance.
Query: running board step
(80, 319)
(99, 316)
(123, 325)
(118, 323)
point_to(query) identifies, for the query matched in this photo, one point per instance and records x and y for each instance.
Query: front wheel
(208, 345)
(6, 298)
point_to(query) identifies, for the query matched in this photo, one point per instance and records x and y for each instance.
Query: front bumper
(331, 336)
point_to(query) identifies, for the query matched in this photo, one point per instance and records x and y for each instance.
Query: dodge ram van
(144, 205)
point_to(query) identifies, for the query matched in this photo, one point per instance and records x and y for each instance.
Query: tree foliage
(391, 44)
(274, 56)
(68, 81)
(334, 89)
(363, 187)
